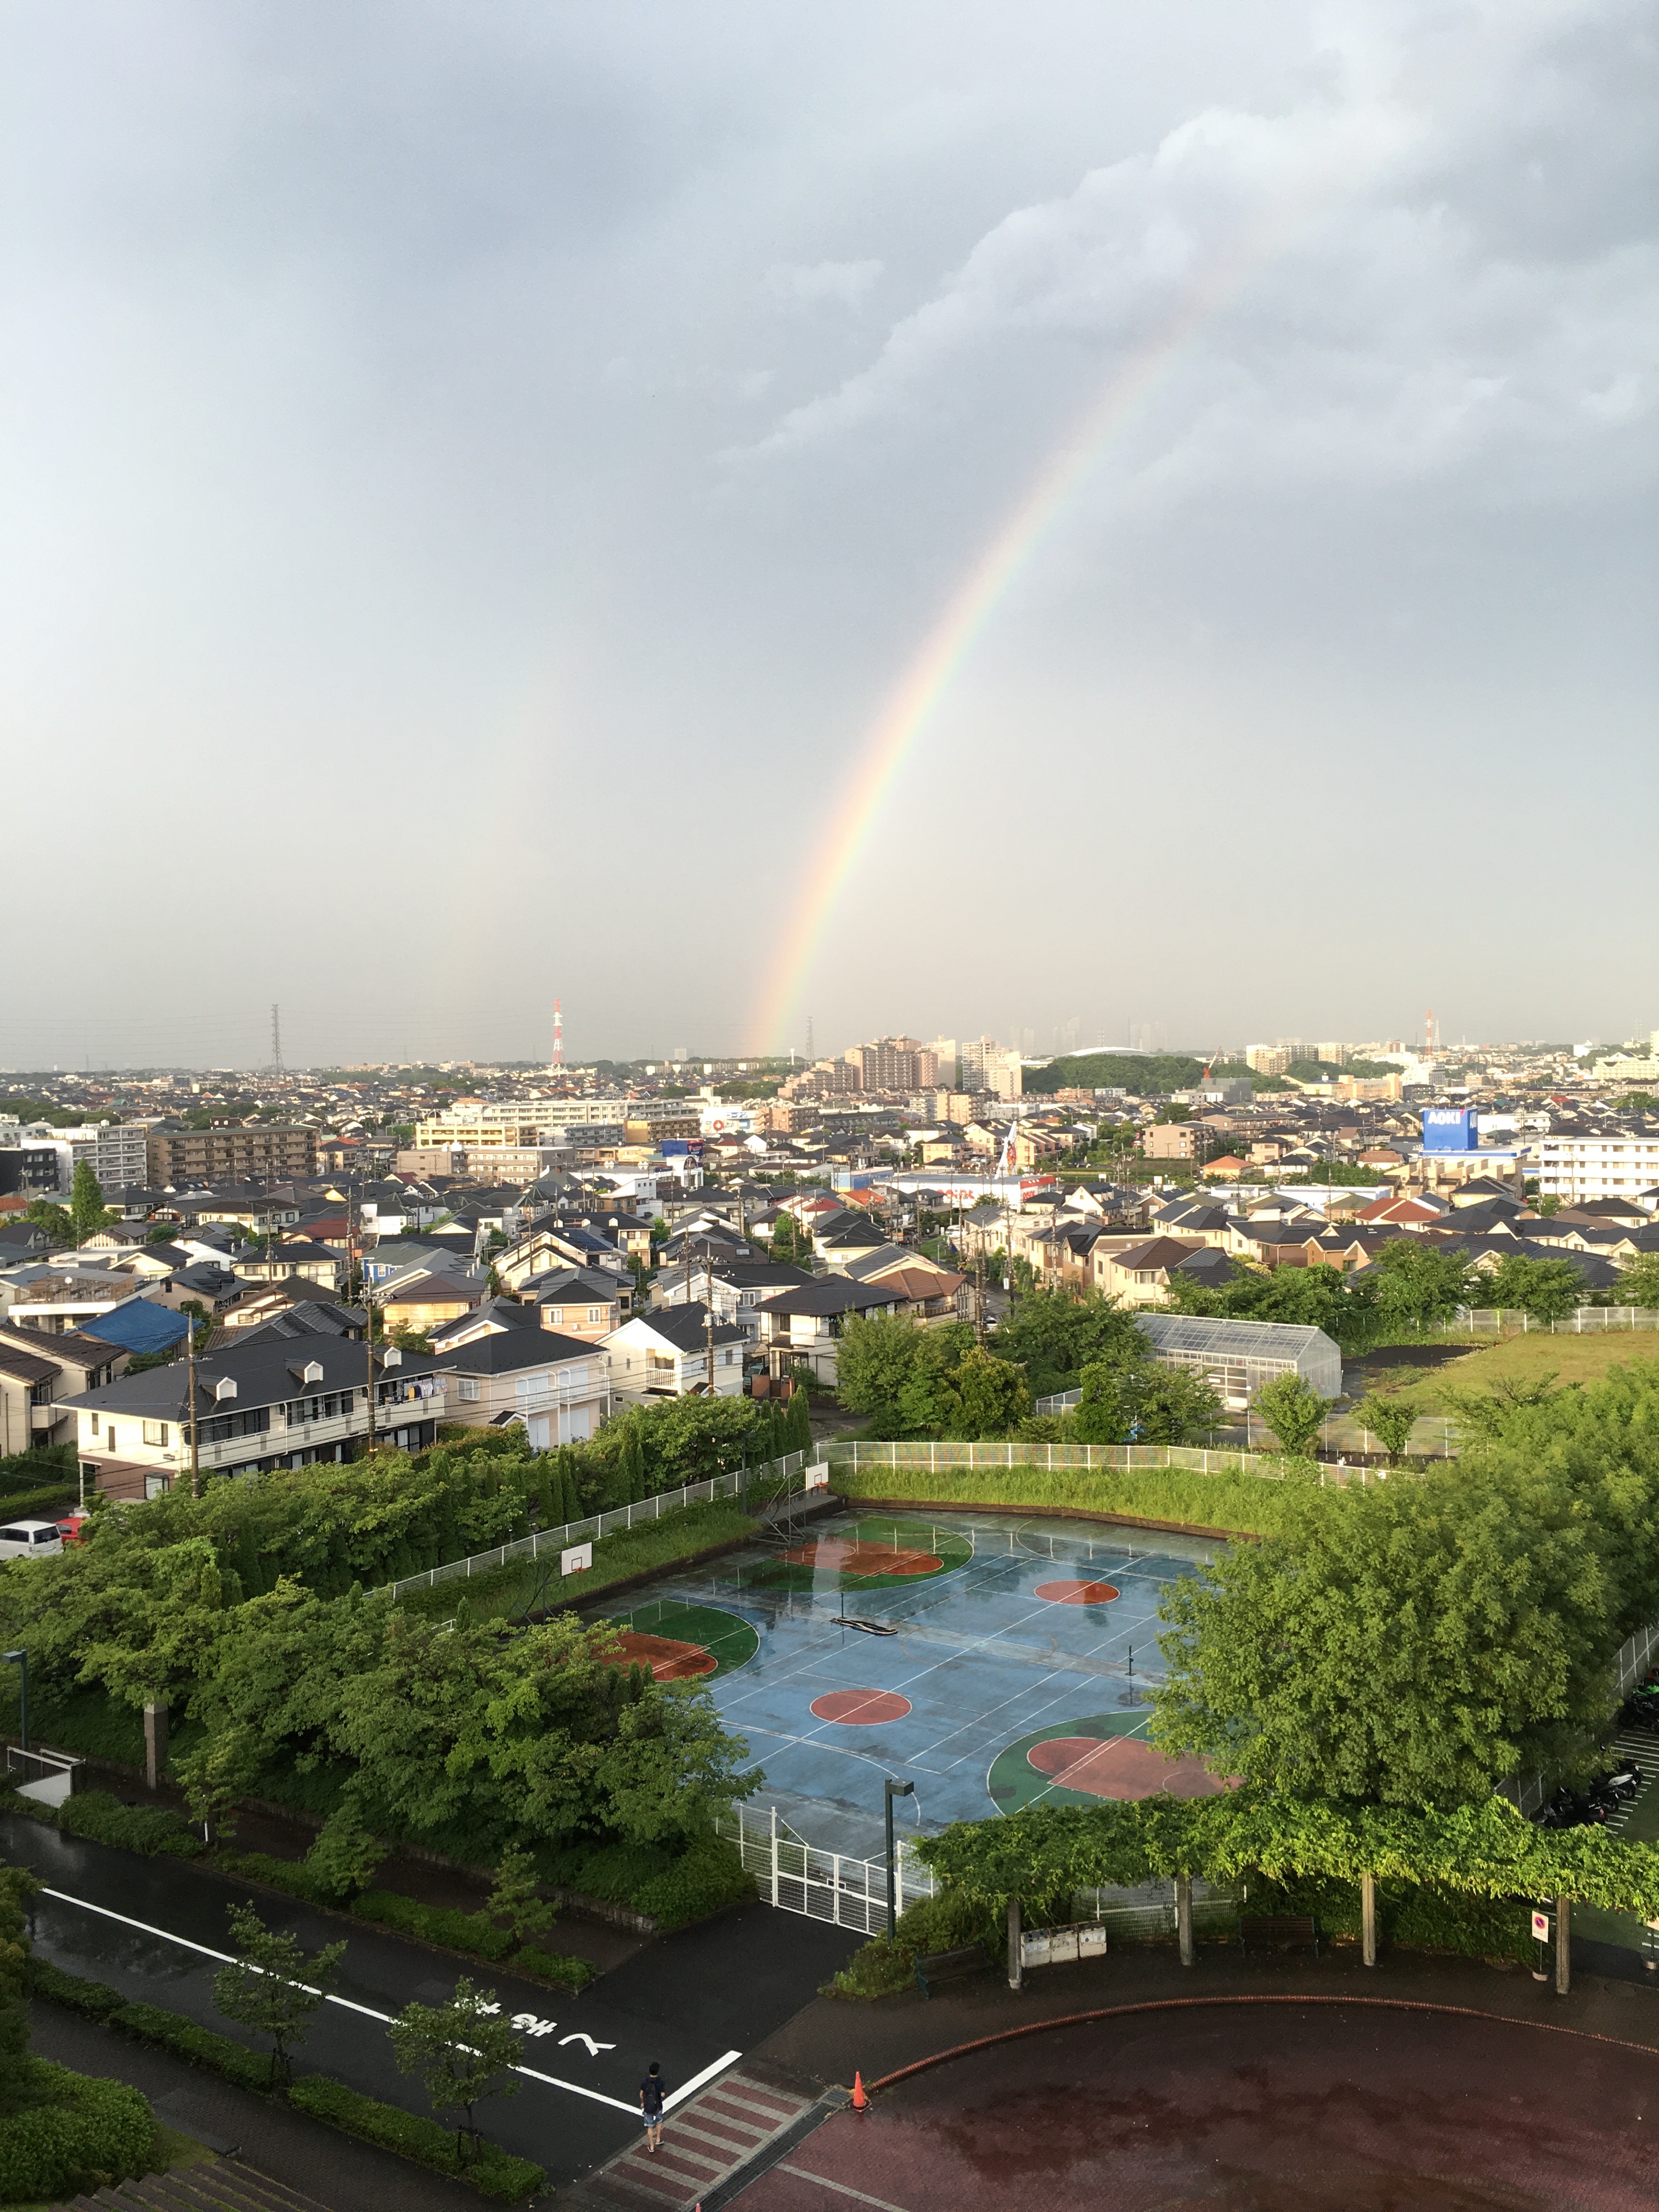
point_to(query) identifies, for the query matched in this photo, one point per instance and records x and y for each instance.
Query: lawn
(1529, 1358)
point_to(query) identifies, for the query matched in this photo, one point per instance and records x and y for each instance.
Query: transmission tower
(276, 1039)
(556, 1063)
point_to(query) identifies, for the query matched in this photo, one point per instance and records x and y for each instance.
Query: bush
(96, 1999)
(552, 1967)
(883, 1966)
(611, 1872)
(84, 2135)
(293, 1876)
(496, 2173)
(151, 1829)
(435, 1924)
(249, 2069)
(706, 1877)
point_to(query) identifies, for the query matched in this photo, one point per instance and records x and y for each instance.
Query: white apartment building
(524, 1123)
(1610, 1163)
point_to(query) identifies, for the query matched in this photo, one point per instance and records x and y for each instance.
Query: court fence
(1582, 1321)
(795, 1876)
(1114, 1458)
(779, 1474)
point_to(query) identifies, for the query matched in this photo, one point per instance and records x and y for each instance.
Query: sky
(954, 519)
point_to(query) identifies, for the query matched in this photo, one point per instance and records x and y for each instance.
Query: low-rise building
(666, 1353)
(556, 1387)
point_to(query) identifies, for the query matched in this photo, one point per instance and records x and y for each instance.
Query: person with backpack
(651, 2096)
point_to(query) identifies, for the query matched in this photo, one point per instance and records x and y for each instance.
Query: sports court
(993, 1660)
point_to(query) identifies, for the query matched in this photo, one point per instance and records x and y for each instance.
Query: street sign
(577, 1560)
(1540, 1927)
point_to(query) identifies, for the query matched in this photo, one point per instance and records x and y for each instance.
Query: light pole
(21, 1659)
(892, 1789)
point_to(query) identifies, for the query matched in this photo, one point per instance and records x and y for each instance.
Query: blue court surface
(1015, 1668)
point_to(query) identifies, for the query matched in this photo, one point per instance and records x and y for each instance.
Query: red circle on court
(1120, 1767)
(846, 1555)
(1077, 1593)
(669, 1660)
(861, 1708)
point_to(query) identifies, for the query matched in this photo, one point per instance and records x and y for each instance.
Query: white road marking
(551, 2081)
(697, 2082)
(804, 2173)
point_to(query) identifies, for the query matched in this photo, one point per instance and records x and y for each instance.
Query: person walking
(651, 2094)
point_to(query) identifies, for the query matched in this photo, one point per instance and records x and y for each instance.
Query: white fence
(797, 1877)
(602, 1524)
(938, 1458)
(1147, 1911)
(1583, 1321)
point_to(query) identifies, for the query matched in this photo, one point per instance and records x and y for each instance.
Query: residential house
(1138, 1274)
(421, 1303)
(557, 1388)
(665, 1354)
(259, 1405)
(254, 1309)
(737, 1288)
(36, 1372)
(315, 1262)
(804, 1327)
(546, 1248)
(570, 1292)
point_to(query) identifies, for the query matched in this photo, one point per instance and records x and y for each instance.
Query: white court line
(530, 2072)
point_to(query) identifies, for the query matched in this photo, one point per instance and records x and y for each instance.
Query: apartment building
(230, 1153)
(901, 1063)
(1599, 1164)
(118, 1152)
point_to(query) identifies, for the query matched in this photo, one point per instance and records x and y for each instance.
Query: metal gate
(795, 1876)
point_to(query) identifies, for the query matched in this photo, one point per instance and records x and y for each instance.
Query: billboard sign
(1450, 1129)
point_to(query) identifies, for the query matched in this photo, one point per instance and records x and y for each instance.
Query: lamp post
(21, 1659)
(892, 1789)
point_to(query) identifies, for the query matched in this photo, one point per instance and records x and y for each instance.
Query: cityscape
(723, 1487)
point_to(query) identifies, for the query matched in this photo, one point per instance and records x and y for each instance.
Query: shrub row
(473, 1932)
(496, 2172)
(153, 1830)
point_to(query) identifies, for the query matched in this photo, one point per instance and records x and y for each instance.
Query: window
(94, 1425)
(156, 1432)
(466, 1389)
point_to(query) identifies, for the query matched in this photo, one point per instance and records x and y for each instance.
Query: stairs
(222, 2186)
(704, 2141)
(1636, 1744)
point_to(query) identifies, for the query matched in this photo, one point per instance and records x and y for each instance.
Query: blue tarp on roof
(142, 1327)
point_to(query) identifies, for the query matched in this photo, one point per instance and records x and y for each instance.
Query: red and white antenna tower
(557, 1062)
(1428, 1035)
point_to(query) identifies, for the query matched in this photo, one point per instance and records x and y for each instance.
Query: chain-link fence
(940, 1458)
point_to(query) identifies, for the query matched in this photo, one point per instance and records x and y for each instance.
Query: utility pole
(368, 1351)
(195, 1427)
(711, 1335)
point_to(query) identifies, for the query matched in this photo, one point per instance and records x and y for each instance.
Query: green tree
(1174, 1405)
(792, 1242)
(1390, 1420)
(876, 1365)
(1106, 1409)
(1545, 1289)
(1054, 1335)
(1638, 1285)
(346, 1854)
(1293, 1410)
(87, 1212)
(516, 1898)
(464, 2051)
(984, 1397)
(1418, 1285)
(272, 1989)
(54, 1219)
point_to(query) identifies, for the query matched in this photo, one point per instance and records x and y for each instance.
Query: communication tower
(557, 1062)
(276, 1039)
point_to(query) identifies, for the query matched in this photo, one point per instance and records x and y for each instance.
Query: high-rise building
(900, 1063)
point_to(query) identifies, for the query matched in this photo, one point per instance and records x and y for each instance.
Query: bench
(1279, 1932)
(937, 1965)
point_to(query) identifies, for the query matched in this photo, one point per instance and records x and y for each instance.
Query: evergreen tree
(88, 1212)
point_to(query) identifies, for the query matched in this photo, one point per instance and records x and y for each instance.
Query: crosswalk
(704, 2141)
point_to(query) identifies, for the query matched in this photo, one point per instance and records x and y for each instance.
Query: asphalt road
(695, 2002)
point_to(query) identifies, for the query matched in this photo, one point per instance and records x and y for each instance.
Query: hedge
(84, 2134)
(553, 1967)
(153, 1830)
(496, 2173)
(435, 1924)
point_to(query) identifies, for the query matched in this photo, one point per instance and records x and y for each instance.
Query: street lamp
(21, 1659)
(893, 1790)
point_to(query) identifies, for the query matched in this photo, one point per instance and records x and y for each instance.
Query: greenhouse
(1239, 1357)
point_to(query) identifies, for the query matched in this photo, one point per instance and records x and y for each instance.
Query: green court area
(680, 1642)
(875, 1553)
(1079, 1762)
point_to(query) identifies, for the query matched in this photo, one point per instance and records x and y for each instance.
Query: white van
(30, 1539)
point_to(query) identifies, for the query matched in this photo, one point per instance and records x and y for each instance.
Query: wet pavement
(695, 2001)
(1255, 2106)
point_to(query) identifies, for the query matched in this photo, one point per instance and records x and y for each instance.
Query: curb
(1191, 2004)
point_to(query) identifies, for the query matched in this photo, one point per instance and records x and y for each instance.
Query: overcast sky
(475, 474)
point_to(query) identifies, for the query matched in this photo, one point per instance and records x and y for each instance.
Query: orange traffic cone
(860, 2102)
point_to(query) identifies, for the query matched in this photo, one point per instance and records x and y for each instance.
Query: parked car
(30, 1539)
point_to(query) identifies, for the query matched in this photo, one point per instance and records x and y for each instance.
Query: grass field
(1529, 1358)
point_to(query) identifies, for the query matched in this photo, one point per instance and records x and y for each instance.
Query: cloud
(807, 284)
(1417, 265)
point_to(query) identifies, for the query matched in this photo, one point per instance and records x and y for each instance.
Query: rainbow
(914, 699)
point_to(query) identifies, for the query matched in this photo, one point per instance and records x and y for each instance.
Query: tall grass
(1247, 1503)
